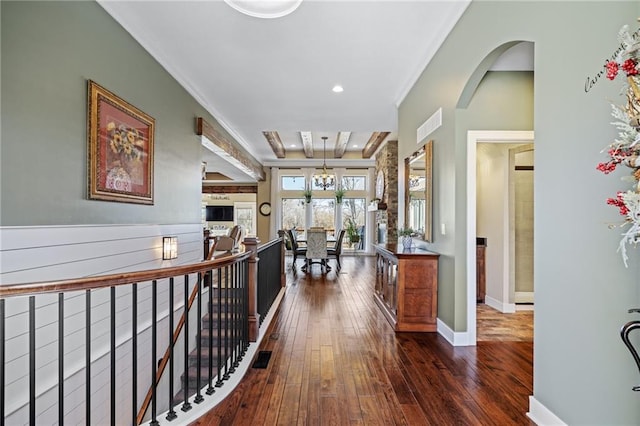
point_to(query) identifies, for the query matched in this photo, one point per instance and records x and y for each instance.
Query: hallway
(335, 360)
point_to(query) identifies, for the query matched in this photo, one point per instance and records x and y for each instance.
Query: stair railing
(233, 291)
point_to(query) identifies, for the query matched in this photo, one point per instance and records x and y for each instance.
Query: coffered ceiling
(269, 81)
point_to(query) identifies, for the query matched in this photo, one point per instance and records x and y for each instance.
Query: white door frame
(473, 138)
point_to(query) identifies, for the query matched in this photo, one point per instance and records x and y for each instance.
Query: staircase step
(204, 377)
(226, 306)
(205, 336)
(228, 292)
(225, 319)
(204, 356)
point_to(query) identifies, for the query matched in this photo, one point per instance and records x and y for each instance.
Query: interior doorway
(504, 222)
(506, 294)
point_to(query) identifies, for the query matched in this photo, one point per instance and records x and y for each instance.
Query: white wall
(33, 254)
(492, 218)
(582, 371)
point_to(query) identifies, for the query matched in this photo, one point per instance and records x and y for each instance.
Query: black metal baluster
(134, 354)
(87, 396)
(3, 337)
(185, 405)
(234, 317)
(245, 308)
(238, 309)
(231, 318)
(227, 334)
(171, 415)
(60, 359)
(245, 300)
(243, 317)
(113, 355)
(210, 389)
(219, 382)
(32, 360)
(199, 398)
(154, 342)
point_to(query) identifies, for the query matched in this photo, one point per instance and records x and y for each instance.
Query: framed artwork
(120, 149)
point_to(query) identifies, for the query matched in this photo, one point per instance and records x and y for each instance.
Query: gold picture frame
(120, 149)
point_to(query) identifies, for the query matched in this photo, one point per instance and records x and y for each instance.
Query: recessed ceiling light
(264, 9)
(293, 145)
(337, 89)
(355, 146)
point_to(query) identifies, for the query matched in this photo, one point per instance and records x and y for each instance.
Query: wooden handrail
(249, 252)
(115, 280)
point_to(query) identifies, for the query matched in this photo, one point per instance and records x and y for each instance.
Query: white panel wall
(42, 253)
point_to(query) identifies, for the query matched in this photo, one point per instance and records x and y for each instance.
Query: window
(293, 213)
(354, 209)
(354, 183)
(324, 212)
(292, 183)
(246, 217)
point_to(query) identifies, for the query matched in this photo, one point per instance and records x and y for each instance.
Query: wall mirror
(418, 187)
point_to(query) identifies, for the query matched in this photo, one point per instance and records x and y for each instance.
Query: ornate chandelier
(324, 180)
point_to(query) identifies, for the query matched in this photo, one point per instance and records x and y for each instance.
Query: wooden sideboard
(407, 287)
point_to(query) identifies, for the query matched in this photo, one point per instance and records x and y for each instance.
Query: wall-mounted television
(219, 213)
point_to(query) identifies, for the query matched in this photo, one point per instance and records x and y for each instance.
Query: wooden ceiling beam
(247, 163)
(373, 143)
(307, 143)
(229, 189)
(276, 143)
(341, 144)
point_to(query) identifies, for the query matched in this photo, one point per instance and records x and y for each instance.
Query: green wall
(582, 372)
(49, 51)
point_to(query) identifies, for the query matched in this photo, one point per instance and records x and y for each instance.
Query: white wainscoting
(47, 253)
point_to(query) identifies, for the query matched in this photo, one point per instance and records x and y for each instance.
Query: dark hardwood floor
(336, 361)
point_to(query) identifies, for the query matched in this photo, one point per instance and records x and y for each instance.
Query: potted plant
(352, 232)
(406, 234)
(339, 194)
(307, 195)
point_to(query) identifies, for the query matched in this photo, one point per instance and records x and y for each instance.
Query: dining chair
(336, 250)
(316, 249)
(296, 250)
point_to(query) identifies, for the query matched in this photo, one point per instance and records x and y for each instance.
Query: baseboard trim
(505, 308)
(541, 415)
(456, 338)
(524, 297)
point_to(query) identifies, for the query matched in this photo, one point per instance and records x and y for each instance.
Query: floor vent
(262, 360)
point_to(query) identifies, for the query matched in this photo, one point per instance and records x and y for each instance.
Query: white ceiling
(258, 75)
